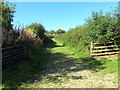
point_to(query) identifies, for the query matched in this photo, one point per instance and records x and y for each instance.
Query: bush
(37, 29)
(101, 28)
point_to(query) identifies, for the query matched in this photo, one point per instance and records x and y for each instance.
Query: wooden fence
(12, 54)
(98, 49)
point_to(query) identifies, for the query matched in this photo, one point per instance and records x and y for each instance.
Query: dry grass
(22, 36)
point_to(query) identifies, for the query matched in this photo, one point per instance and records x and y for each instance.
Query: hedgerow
(100, 27)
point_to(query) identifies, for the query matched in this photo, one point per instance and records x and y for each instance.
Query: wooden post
(91, 48)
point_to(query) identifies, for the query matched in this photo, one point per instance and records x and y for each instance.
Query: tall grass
(27, 71)
(22, 36)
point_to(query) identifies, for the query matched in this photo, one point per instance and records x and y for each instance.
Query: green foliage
(75, 38)
(26, 71)
(46, 31)
(52, 32)
(59, 31)
(99, 28)
(47, 40)
(103, 28)
(37, 29)
(7, 15)
(110, 67)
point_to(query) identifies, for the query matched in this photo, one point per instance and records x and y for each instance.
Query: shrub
(99, 27)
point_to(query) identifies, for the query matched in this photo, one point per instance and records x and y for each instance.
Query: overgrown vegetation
(100, 27)
(33, 34)
(36, 42)
(39, 32)
(10, 35)
(59, 31)
(38, 29)
(28, 70)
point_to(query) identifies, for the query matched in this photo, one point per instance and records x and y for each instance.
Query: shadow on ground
(52, 45)
(65, 64)
(42, 62)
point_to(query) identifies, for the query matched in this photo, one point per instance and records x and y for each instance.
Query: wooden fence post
(91, 48)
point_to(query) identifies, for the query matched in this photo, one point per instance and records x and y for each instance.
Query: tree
(46, 31)
(52, 32)
(37, 29)
(59, 31)
(7, 15)
(103, 28)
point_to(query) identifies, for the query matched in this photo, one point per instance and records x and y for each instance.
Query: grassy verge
(28, 70)
(103, 66)
(110, 67)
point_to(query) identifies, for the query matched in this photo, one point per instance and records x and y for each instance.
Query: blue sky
(58, 15)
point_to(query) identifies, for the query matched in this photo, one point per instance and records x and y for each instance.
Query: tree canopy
(7, 15)
(103, 28)
(37, 29)
(52, 32)
(59, 31)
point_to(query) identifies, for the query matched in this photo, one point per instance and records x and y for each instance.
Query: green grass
(70, 49)
(77, 53)
(102, 66)
(28, 70)
(1, 87)
(110, 67)
(55, 81)
(24, 73)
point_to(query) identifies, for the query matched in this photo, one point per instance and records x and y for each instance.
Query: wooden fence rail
(98, 49)
(12, 54)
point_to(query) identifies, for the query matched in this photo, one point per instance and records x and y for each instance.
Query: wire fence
(12, 54)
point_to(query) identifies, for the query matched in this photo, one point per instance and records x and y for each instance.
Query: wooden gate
(98, 49)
